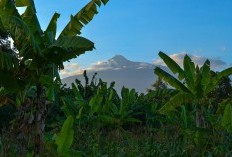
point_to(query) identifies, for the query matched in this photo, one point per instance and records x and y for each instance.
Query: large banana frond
(176, 101)
(23, 38)
(31, 20)
(7, 8)
(20, 32)
(224, 73)
(83, 17)
(189, 69)
(172, 65)
(226, 121)
(50, 32)
(171, 80)
(206, 76)
(216, 79)
(66, 48)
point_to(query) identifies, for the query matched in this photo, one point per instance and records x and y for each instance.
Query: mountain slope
(126, 73)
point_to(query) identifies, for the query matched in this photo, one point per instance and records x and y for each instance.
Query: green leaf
(31, 20)
(51, 94)
(52, 26)
(46, 80)
(189, 70)
(83, 17)
(220, 75)
(172, 65)
(205, 71)
(66, 48)
(95, 103)
(7, 8)
(227, 118)
(176, 101)
(23, 38)
(65, 138)
(109, 120)
(78, 96)
(171, 80)
(216, 79)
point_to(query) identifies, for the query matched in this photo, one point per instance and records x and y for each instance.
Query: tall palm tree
(193, 83)
(36, 59)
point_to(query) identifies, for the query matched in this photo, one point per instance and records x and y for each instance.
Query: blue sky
(139, 29)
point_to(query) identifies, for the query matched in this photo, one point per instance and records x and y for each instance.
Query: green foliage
(83, 17)
(99, 121)
(227, 118)
(176, 101)
(97, 103)
(33, 63)
(174, 67)
(194, 83)
(64, 139)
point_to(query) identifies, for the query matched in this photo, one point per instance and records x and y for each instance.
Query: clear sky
(139, 29)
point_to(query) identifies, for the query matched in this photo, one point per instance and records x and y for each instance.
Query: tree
(31, 70)
(193, 84)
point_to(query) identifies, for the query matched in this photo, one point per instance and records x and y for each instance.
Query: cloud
(100, 66)
(71, 69)
(199, 60)
(118, 62)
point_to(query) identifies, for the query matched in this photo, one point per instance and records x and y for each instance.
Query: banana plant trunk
(28, 128)
(40, 117)
(200, 119)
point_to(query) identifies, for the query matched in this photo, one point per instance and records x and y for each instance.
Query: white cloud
(199, 60)
(71, 69)
(99, 66)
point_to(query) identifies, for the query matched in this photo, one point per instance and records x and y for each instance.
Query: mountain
(138, 75)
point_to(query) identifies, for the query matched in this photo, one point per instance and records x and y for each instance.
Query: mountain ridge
(131, 74)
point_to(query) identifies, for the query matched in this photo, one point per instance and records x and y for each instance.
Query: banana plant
(124, 112)
(38, 54)
(193, 84)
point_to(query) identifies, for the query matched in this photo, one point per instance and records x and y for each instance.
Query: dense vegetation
(185, 114)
